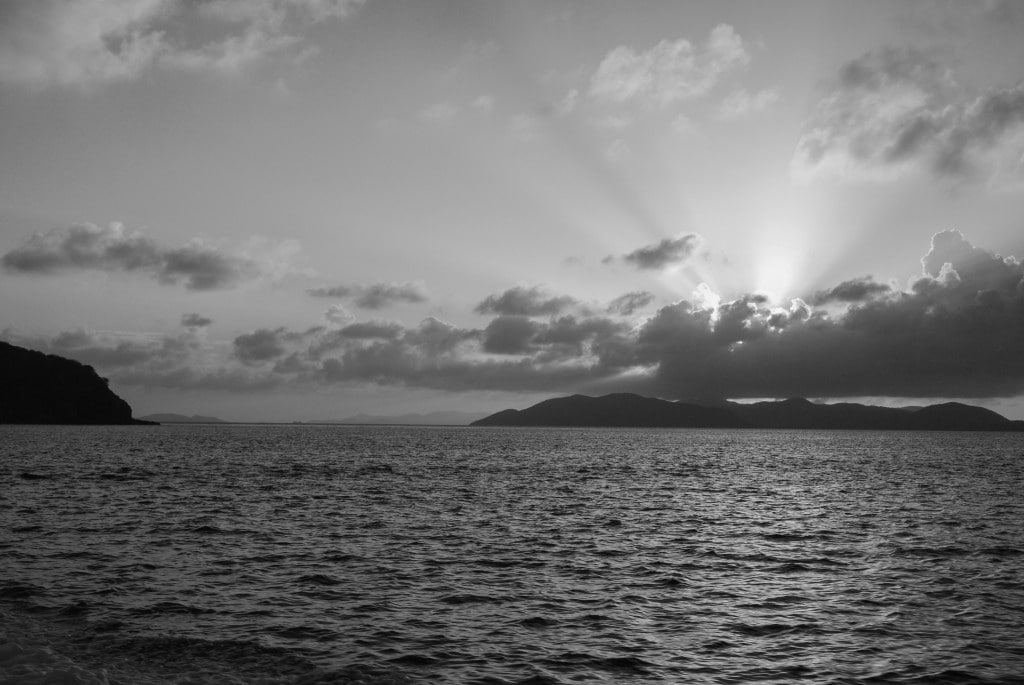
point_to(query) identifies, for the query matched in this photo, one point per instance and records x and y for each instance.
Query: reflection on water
(447, 555)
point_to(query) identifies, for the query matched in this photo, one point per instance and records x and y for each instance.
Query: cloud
(742, 103)
(195, 321)
(669, 72)
(854, 290)
(509, 335)
(896, 111)
(85, 43)
(660, 255)
(956, 330)
(368, 330)
(440, 113)
(629, 303)
(112, 248)
(523, 301)
(260, 346)
(375, 295)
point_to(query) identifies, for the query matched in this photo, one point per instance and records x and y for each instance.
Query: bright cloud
(669, 72)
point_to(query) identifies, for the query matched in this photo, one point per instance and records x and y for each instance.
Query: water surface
(303, 554)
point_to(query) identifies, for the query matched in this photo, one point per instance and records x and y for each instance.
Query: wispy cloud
(742, 102)
(523, 301)
(665, 253)
(375, 295)
(669, 72)
(86, 43)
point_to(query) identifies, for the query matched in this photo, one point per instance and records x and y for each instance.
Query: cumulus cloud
(895, 111)
(84, 43)
(509, 334)
(523, 301)
(665, 253)
(958, 331)
(375, 295)
(669, 72)
(112, 248)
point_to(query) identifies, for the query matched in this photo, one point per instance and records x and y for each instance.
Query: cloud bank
(957, 330)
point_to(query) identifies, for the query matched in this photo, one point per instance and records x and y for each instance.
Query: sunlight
(780, 259)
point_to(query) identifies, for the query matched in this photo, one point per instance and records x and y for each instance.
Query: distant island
(181, 418)
(437, 418)
(44, 388)
(625, 410)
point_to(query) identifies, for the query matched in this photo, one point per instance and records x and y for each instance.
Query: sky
(282, 210)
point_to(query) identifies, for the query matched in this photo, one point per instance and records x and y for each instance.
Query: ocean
(351, 554)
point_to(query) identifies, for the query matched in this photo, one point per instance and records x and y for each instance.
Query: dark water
(304, 554)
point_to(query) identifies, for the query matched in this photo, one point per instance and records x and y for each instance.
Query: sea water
(333, 554)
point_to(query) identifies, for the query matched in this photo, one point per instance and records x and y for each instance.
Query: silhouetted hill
(626, 410)
(619, 410)
(45, 388)
(181, 418)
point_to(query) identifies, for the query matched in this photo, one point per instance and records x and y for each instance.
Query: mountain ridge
(626, 410)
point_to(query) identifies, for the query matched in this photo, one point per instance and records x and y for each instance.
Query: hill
(618, 410)
(627, 410)
(45, 388)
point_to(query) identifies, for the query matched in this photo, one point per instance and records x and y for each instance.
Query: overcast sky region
(306, 209)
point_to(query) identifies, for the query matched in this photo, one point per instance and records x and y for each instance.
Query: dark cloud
(665, 253)
(202, 267)
(854, 290)
(950, 335)
(509, 335)
(194, 320)
(112, 248)
(260, 346)
(374, 295)
(897, 107)
(523, 301)
(629, 303)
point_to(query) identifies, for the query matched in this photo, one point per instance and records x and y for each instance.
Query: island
(45, 388)
(626, 410)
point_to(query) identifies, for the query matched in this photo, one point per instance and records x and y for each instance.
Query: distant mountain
(45, 388)
(619, 410)
(181, 418)
(627, 410)
(437, 418)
